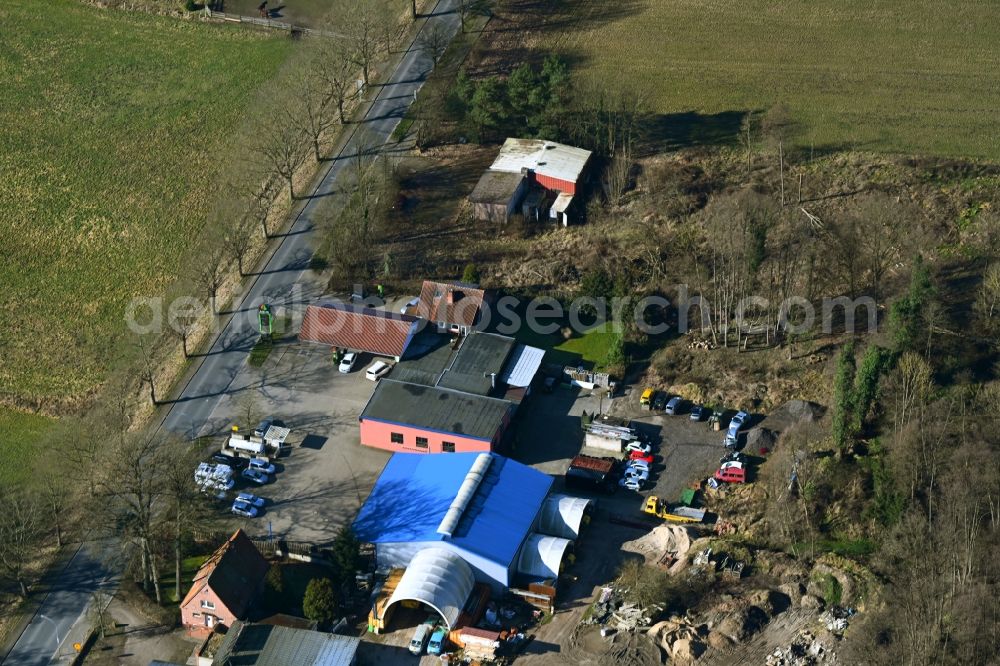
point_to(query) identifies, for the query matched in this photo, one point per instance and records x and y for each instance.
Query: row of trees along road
(139, 486)
(295, 119)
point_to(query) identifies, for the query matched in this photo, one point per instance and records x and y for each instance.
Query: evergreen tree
(866, 384)
(843, 398)
(488, 108)
(906, 314)
(320, 601)
(345, 552)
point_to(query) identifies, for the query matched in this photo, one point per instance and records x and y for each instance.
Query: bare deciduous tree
(282, 148)
(186, 505)
(359, 224)
(131, 488)
(146, 365)
(261, 194)
(22, 525)
(988, 298)
(239, 241)
(336, 71)
(58, 496)
(434, 39)
(618, 176)
(182, 320)
(912, 386)
(210, 274)
(363, 27)
(470, 8)
(316, 115)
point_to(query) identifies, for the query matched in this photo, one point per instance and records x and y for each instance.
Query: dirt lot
(549, 435)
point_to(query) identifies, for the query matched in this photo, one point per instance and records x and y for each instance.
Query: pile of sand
(672, 539)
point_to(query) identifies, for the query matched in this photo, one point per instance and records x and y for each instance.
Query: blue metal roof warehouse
(481, 506)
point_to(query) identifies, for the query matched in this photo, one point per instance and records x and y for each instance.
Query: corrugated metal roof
(496, 187)
(547, 158)
(442, 410)
(439, 578)
(364, 329)
(541, 556)
(522, 366)
(415, 491)
(270, 645)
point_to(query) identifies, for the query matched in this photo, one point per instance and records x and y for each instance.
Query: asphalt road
(88, 572)
(282, 283)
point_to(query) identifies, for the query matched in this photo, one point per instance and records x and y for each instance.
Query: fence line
(267, 23)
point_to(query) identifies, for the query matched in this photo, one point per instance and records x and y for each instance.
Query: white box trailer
(270, 445)
(246, 446)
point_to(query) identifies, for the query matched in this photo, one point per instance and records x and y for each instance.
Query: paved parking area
(322, 483)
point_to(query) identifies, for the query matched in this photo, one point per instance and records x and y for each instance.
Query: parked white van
(420, 638)
(377, 370)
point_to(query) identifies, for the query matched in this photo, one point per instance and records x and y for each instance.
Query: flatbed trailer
(677, 513)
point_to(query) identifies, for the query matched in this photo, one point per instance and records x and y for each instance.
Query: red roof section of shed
(363, 329)
(450, 302)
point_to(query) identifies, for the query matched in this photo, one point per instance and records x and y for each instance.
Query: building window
(447, 447)
(421, 442)
(205, 603)
(396, 437)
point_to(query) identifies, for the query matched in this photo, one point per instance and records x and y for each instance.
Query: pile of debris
(701, 344)
(836, 619)
(679, 639)
(665, 546)
(805, 650)
(612, 610)
(730, 569)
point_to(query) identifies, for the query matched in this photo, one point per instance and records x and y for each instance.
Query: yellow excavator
(676, 513)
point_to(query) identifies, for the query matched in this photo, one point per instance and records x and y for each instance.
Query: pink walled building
(403, 417)
(224, 586)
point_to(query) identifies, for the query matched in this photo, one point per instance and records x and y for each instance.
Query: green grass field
(18, 434)
(909, 76)
(589, 348)
(113, 127)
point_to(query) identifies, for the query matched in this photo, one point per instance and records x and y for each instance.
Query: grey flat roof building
(434, 408)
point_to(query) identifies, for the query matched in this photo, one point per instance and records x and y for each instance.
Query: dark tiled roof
(233, 573)
(440, 409)
(466, 301)
(269, 645)
(352, 327)
(496, 187)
